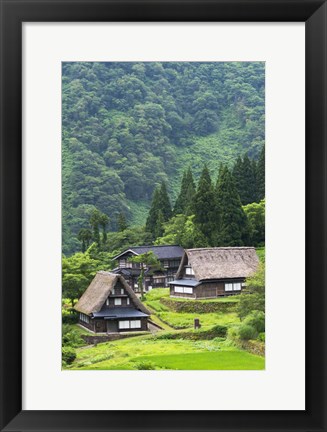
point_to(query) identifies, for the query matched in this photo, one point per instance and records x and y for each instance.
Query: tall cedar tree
(261, 174)
(244, 173)
(121, 222)
(234, 229)
(205, 208)
(160, 211)
(184, 202)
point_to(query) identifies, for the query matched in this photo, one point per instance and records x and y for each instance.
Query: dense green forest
(135, 134)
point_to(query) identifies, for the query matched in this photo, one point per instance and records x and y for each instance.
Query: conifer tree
(261, 175)
(164, 202)
(151, 221)
(184, 200)
(244, 173)
(234, 229)
(121, 222)
(160, 211)
(204, 206)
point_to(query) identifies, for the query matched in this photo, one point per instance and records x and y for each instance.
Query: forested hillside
(129, 127)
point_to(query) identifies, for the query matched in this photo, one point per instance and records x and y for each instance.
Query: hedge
(216, 331)
(197, 306)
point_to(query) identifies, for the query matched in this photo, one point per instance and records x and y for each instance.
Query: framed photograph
(163, 208)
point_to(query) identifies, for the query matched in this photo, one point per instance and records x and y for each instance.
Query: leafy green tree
(77, 272)
(233, 228)
(205, 207)
(254, 299)
(184, 201)
(255, 213)
(85, 237)
(147, 260)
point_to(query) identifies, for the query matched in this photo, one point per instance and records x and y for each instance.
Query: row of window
(127, 264)
(118, 301)
(235, 286)
(84, 318)
(134, 324)
(183, 290)
(118, 291)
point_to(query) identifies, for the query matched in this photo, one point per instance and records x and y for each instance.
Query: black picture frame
(13, 14)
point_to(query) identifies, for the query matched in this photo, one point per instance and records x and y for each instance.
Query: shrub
(256, 319)
(247, 332)
(71, 337)
(144, 365)
(68, 355)
(219, 330)
(69, 318)
(262, 337)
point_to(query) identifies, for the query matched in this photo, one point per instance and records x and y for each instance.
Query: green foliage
(233, 227)
(144, 365)
(245, 175)
(71, 337)
(160, 211)
(246, 332)
(77, 272)
(69, 318)
(184, 202)
(204, 207)
(129, 126)
(121, 222)
(261, 174)
(148, 260)
(255, 214)
(255, 299)
(256, 319)
(68, 355)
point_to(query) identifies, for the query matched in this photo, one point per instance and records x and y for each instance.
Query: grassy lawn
(139, 352)
(186, 320)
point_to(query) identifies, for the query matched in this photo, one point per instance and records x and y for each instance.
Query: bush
(68, 355)
(262, 337)
(71, 337)
(144, 365)
(256, 319)
(70, 318)
(247, 332)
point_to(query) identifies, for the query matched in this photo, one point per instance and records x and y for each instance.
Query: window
(113, 292)
(174, 263)
(84, 318)
(136, 324)
(122, 263)
(122, 291)
(128, 301)
(117, 301)
(183, 290)
(129, 324)
(107, 302)
(123, 324)
(235, 286)
(189, 271)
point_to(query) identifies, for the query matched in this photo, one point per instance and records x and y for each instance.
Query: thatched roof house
(110, 305)
(213, 272)
(169, 257)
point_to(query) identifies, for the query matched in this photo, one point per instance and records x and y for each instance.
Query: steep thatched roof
(100, 288)
(220, 263)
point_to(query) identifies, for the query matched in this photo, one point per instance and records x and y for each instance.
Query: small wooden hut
(109, 305)
(213, 272)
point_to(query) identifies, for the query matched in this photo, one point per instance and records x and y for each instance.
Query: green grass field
(140, 352)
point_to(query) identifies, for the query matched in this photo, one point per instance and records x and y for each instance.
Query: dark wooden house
(213, 272)
(109, 305)
(168, 256)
